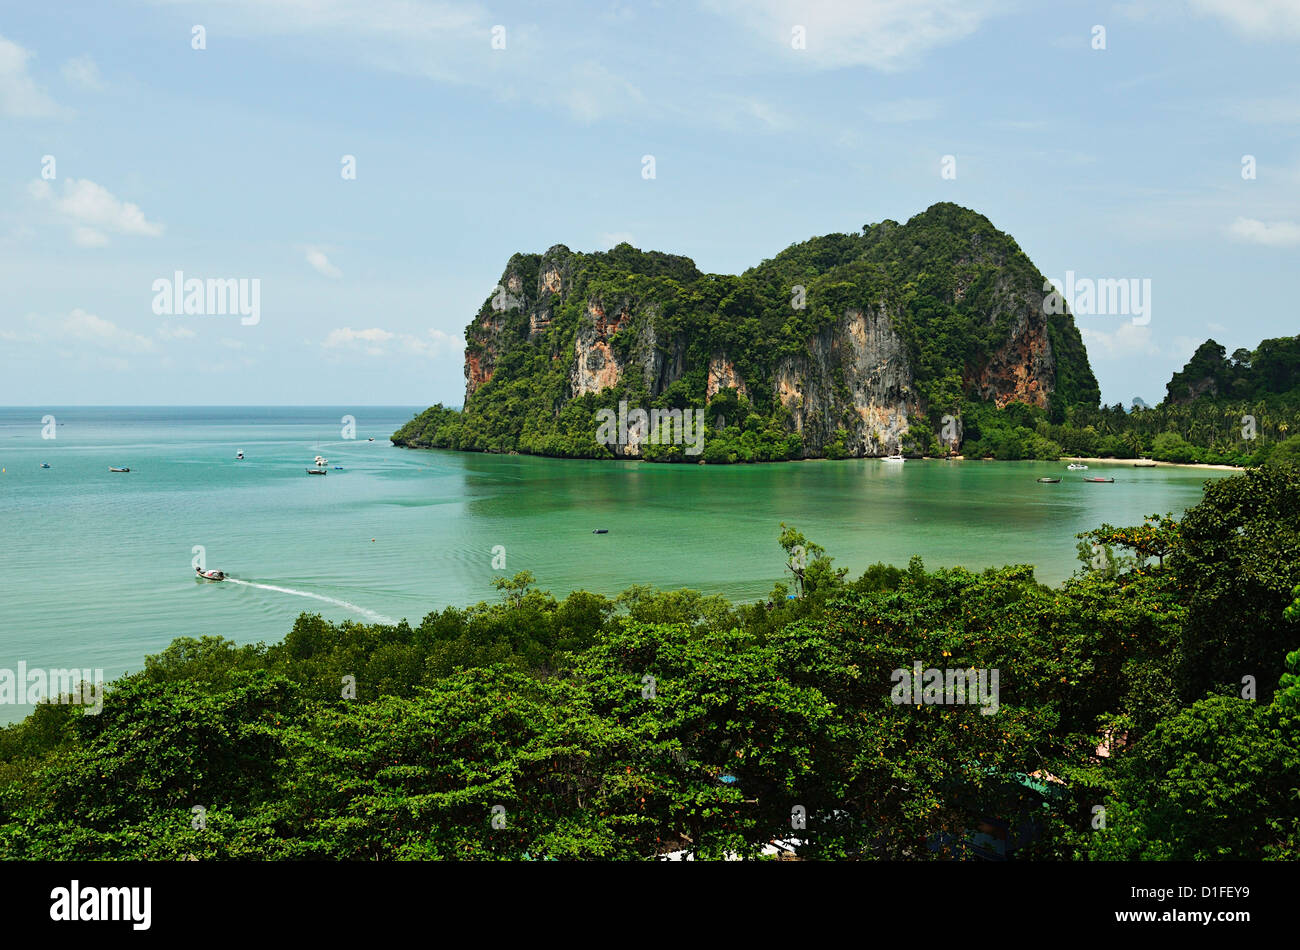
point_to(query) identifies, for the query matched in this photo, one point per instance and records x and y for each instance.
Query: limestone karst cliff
(846, 345)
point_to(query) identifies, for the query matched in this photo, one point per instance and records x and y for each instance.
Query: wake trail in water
(370, 615)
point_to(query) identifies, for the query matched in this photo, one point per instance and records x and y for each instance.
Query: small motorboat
(600, 531)
(1076, 467)
(1144, 463)
(1049, 481)
(316, 471)
(239, 454)
(210, 575)
(1096, 478)
(894, 458)
(111, 469)
(371, 439)
(45, 465)
(320, 461)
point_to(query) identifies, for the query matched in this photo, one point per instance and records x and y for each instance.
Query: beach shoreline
(1089, 460)
(1147, 463)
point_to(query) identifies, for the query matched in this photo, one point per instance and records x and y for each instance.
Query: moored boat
(1050, 481)
(1144, 463)
(1075, 467)
(1096, 478)
(111, 469)
(316, 471)
(894, 458)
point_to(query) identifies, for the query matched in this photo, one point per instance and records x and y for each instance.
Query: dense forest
(1239, 411)
(1148, 708)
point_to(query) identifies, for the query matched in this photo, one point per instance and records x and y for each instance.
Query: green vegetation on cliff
(958, 297)
(1241, 411)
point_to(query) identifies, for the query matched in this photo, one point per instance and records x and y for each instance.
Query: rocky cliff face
(854, 376)
(588, 328)
(1023, 369)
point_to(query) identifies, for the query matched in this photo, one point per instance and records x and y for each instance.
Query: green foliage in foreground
(599, 728)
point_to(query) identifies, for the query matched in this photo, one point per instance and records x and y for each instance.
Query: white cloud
(93, 209)
(1126, 340)
(321, 264)
(882, 34)
(371, 341)
(83, 72)
(86, 327)
(446, 41)
(374, 341)
(80, 328)
(170, 331)
(592, 72)
(1271, 234)
(20, 96)
(433, 344)
(1258, 19)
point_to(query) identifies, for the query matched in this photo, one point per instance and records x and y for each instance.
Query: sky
(367, 168)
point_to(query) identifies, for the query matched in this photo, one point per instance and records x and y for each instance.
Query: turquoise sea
(95, 567)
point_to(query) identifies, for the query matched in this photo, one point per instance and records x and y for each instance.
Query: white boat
(210, 575)
(320, 461)
(894, 458)
(1075, 467)
(239, 454)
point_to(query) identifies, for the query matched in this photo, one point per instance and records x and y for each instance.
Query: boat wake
(370, 615)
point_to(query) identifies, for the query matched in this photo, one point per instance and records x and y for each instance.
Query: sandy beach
(1147, 463)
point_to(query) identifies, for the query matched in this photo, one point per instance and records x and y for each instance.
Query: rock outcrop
(840, 371)
(855, 376)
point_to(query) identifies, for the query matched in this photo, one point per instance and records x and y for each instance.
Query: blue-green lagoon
(96, 567)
